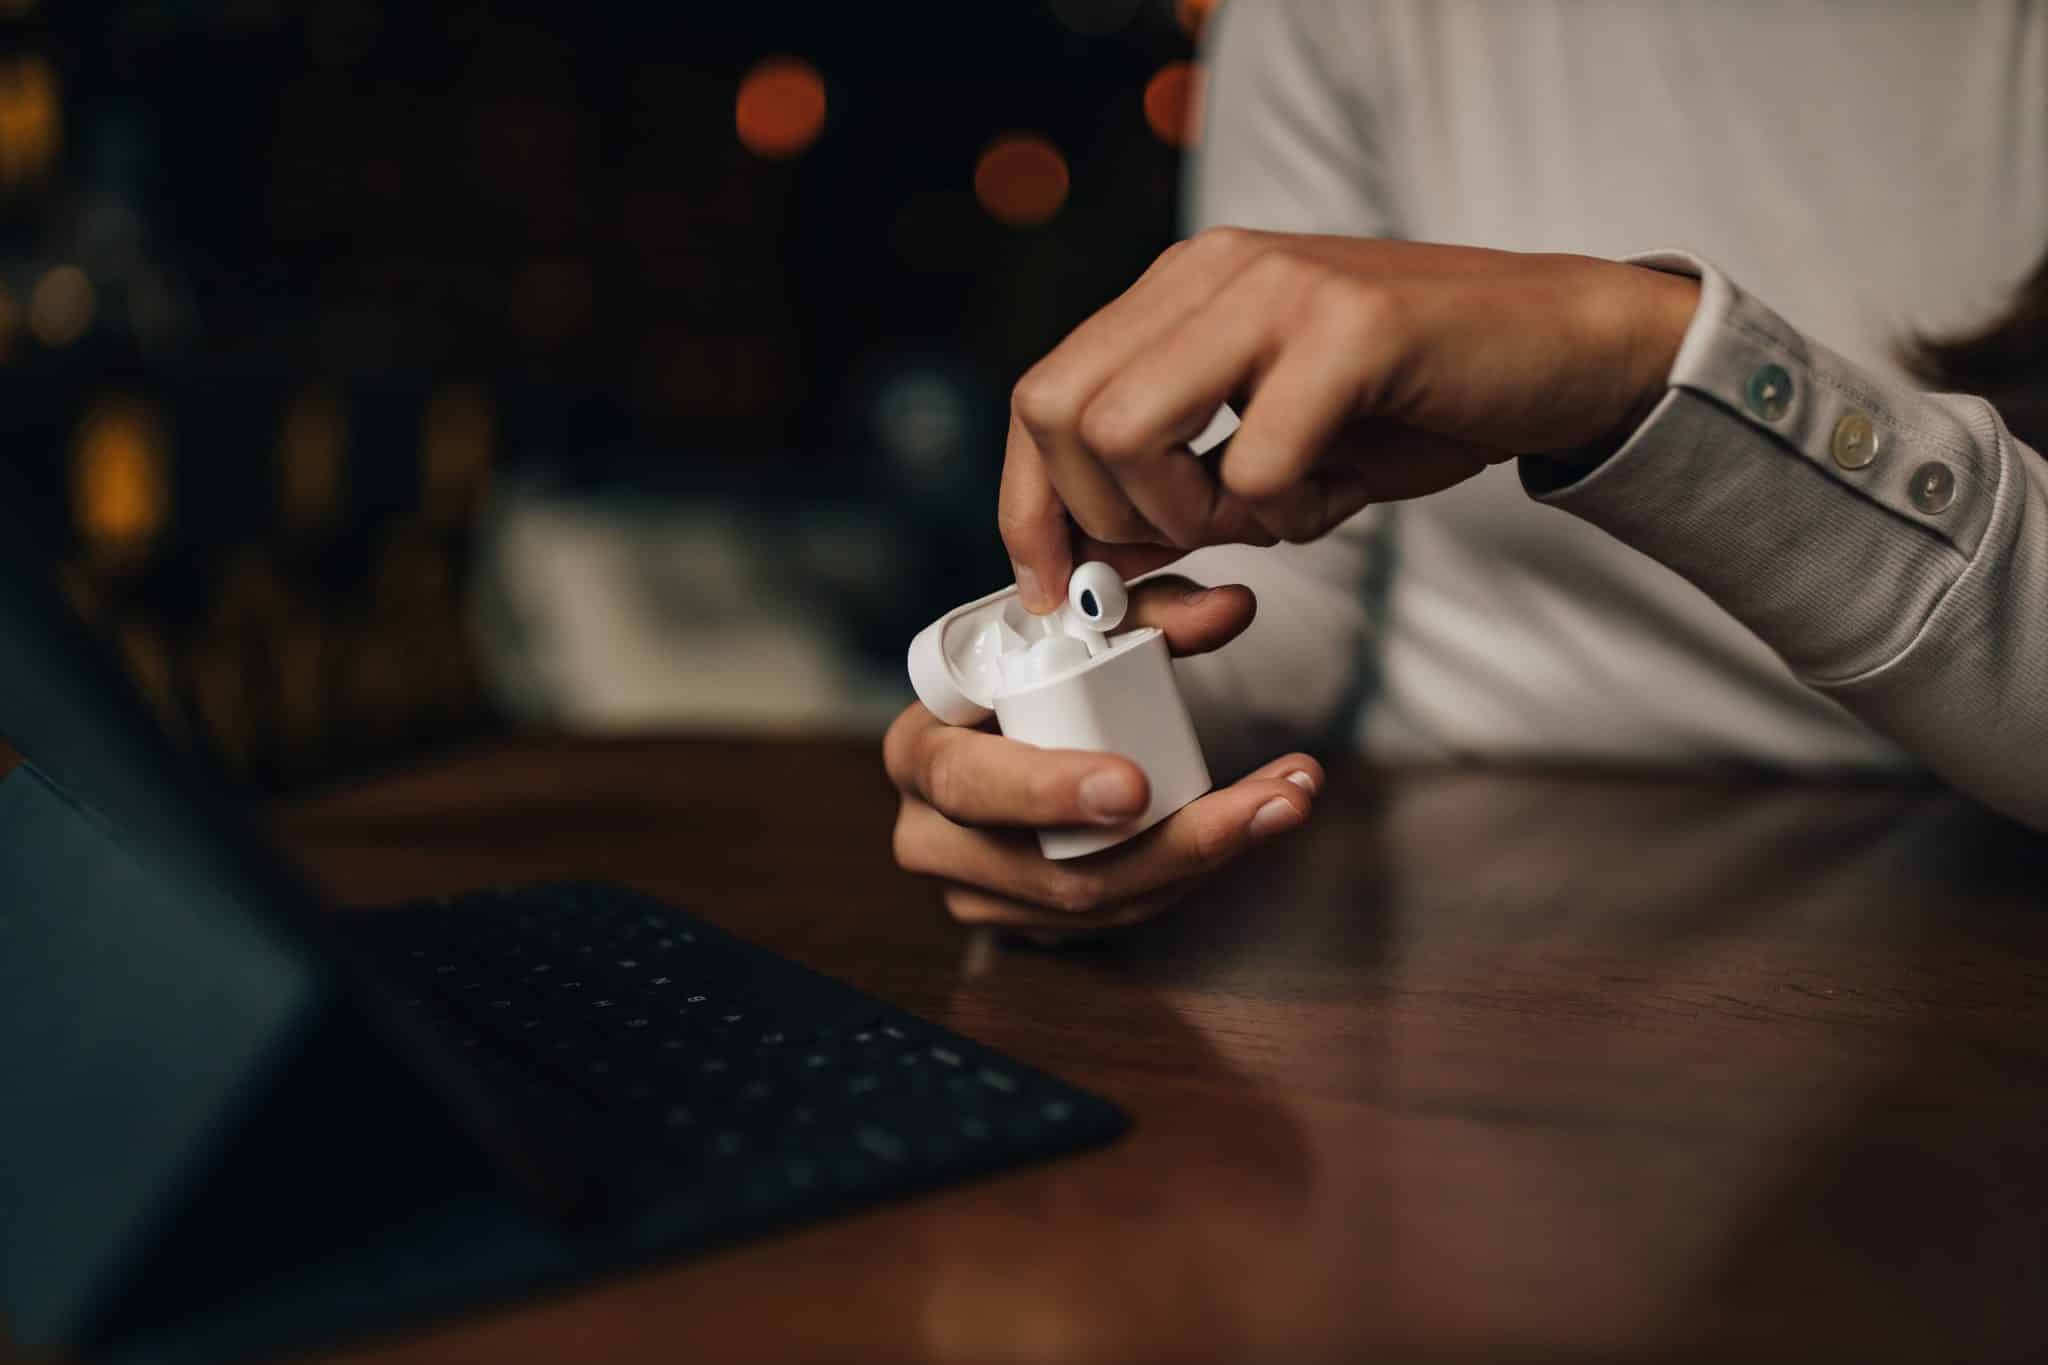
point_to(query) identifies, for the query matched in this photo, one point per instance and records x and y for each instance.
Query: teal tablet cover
(134, 1004)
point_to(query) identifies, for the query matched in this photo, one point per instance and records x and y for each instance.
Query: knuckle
(1042, 402)
(1113, 430)
(1225, 241)
(1176, 252)
(1210, 843)
(945, 780)
(1275, 271)
(1263, 484)
(1020, 528)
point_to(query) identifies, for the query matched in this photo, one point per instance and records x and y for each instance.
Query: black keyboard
(716, 1087)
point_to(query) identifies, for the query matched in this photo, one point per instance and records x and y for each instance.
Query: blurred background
(396, 374)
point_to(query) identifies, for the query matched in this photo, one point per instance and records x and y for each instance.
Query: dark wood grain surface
(1481, 1065)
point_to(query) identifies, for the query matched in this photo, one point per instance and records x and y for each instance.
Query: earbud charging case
(1121, 701)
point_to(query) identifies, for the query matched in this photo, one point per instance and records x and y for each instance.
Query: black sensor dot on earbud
(1089, 606)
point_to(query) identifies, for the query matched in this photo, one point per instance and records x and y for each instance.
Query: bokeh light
(1021, 179)
(1173, 103)
(312, 453)
(781, 108)
(120, 480)
(455, 453)
(1194, 15)
(921, 419)
(31, 129)
(60, 308)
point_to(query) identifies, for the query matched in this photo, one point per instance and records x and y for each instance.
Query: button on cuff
(1769, 394)
(1856, 441)
(1933, 487)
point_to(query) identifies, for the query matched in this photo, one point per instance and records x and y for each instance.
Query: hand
(970, 800)
(1371, 371)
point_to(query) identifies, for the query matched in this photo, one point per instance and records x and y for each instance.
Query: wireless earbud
(1098, 597)
(1096, 603)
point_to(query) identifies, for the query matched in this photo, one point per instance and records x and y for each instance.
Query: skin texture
(1368, 370)
(1365, 371)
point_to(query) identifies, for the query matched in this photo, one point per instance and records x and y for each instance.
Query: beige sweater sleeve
(1890, 544)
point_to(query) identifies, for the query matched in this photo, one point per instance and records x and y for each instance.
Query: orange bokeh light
(1173, 103)
(781, 107)
(1021, 179)
(1194, 14)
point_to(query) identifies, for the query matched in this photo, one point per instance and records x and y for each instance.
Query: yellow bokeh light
(1021, 179)
(455, 453)
(120, 480)
(781, 108)
(60, 308)
(31, 120)
(312, 454)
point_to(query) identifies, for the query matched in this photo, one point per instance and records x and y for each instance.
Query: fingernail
(1276, 815)
(1110, 796)
(1028, 586)
(1300, 778)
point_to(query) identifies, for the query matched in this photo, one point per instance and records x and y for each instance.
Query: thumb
(1195, 619)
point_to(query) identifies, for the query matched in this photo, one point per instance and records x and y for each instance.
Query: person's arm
(1890, 544)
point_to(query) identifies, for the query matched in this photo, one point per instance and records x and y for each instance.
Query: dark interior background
(286, 290)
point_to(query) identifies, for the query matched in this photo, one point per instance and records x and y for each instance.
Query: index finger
(1033, 523)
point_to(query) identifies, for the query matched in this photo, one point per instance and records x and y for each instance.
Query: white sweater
(1862, 170)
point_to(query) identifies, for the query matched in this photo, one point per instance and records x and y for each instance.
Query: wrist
(1650, 315)
(1663, 313)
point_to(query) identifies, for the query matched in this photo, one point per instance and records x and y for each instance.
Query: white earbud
(1096, 603)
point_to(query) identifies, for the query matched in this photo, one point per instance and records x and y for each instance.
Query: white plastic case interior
(972, 662)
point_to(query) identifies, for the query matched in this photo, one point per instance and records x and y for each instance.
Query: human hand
(971, 799)
(1375, 370)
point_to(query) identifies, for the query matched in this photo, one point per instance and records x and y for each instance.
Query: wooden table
(1483, 1065)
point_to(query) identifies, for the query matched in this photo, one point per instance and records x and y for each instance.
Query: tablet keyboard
(736, 1086)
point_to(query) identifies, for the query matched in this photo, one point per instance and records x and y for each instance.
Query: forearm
(1891, 545)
